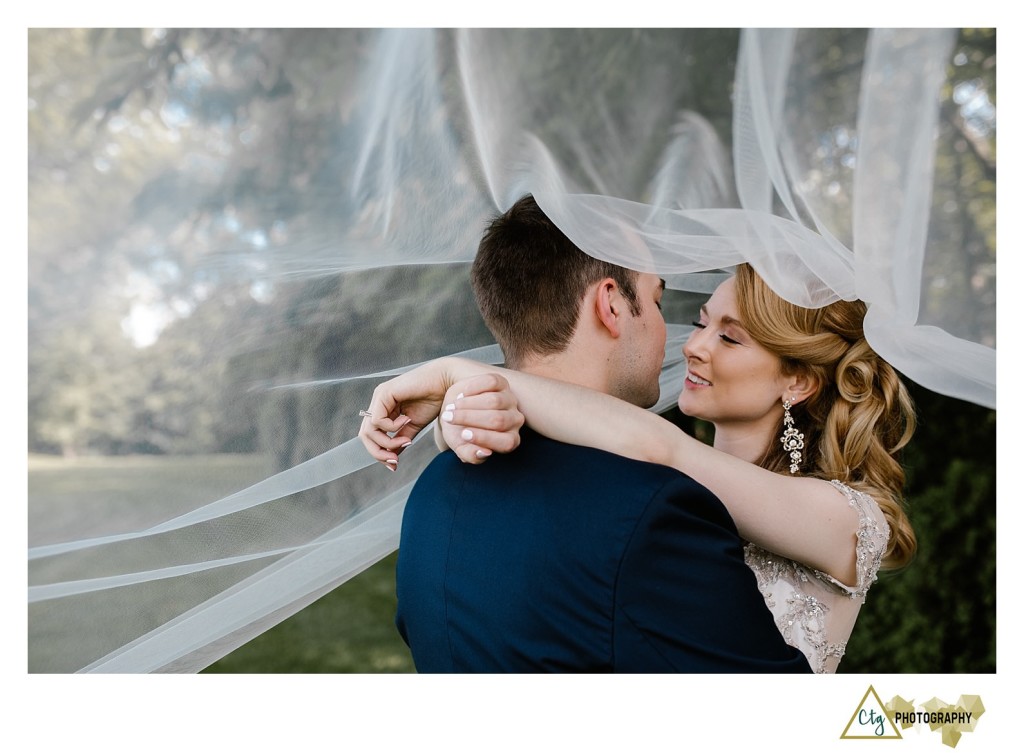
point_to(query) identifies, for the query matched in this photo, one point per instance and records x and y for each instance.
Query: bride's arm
(800, 518)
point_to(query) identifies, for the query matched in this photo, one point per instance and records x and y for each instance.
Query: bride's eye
(698, 325)
(729, 340)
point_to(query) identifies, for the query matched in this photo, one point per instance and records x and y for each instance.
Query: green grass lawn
(350, 629)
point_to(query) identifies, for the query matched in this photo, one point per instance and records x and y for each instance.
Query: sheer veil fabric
(821, 177)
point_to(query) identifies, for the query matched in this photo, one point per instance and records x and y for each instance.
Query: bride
(809, 422)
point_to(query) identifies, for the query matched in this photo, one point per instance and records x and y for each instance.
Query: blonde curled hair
(859, 417)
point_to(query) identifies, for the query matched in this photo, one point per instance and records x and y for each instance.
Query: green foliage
(152, 154)
(962, 258)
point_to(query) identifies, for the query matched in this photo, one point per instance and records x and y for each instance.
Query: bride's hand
(481, 416)
(401, 407)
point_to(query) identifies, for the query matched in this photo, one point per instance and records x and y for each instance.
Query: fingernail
(460, 396)
(447, 416)
(406, 445)
(482, 453)
(467, 434)
(391, 462)
(450, 407)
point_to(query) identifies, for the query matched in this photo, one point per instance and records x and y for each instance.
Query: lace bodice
(813, 610)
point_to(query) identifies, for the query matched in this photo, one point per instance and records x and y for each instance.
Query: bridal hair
(529, 280)
(859, 417)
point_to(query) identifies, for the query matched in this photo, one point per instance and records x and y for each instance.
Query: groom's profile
(558, 558)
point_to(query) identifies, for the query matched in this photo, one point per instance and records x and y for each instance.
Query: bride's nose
(696, 345)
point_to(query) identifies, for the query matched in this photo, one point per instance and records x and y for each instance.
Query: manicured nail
(447, 416)
(460, 396)
(467, 434)
(450, 407)
(482, 453)
(406, 445)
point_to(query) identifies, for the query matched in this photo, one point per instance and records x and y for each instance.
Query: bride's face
(731, 379)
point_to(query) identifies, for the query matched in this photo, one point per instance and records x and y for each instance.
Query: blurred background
(184, 193)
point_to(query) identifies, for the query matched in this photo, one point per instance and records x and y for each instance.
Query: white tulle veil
(822, 176)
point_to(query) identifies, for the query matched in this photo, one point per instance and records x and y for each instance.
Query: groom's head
(550, 304)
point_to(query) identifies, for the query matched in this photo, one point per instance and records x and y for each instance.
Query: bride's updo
(860, 416)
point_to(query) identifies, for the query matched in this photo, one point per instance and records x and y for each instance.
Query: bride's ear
(608, 304)
(802, 386)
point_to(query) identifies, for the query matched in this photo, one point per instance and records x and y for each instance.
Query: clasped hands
(479, 414)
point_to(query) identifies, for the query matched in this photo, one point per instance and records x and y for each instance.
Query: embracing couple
(572, 530)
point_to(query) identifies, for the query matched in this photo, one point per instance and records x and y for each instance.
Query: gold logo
(873, 720)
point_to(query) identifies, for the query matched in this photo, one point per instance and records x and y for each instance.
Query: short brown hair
(529, 280)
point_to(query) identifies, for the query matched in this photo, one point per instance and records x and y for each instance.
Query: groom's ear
(608, 306)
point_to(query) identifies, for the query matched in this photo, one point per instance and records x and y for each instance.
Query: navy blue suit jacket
(562, 558)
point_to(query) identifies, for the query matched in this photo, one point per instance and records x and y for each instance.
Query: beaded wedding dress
(815, 612)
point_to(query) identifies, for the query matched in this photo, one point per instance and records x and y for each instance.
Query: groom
(558, 558)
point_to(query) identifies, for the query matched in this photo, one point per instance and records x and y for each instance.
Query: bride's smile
(731, 379)
(694, 379)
